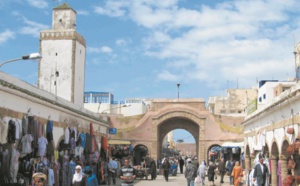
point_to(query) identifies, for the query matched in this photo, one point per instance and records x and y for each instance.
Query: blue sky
(142, 48)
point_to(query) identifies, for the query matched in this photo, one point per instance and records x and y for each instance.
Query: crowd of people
(196, 173)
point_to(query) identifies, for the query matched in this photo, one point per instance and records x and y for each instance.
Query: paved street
(178, 180)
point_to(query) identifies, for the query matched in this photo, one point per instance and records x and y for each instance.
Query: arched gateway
(166, 115)
(186, 120)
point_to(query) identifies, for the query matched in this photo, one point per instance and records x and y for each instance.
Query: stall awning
(118, 142)
(233, 144)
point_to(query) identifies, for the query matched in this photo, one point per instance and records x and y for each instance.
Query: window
(264, 96)
(259, 99)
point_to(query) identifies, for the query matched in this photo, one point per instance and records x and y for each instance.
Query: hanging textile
(24, 125)
(104, 143)
(3, 131)
(11, 136)
(49, 130)
(67, 136)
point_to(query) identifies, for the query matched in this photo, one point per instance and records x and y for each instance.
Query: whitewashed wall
(79, 74)
(44, 104)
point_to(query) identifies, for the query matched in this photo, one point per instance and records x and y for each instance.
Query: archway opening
(140, 152)
(172, 124)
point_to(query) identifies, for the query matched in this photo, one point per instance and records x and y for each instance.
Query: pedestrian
(211, 173)
(39, 179)
(181, 163)
(229, 167)
(261, 172)
(79, 178)
(190, 173)
(113, 167)
(221, 169)
(166, 168)
(237, 174)
(127, 174)
(201, 172)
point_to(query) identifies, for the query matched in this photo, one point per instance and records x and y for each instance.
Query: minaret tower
(62, 68)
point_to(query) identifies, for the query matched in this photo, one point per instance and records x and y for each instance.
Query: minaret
(62, 68)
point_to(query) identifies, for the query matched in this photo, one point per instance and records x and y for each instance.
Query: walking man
(261, 172)
(221, 168)
(181, 163)
(166, 167)
(113, 167)
(190, 173)
(229, 167)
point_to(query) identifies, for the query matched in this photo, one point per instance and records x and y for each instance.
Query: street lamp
(104, 111)
(32, 56)
(178, 85)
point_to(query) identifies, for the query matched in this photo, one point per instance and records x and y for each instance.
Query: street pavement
(178, 180)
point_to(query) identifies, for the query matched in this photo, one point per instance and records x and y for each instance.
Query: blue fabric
(92, 180)
(49, 126)
(82, 139)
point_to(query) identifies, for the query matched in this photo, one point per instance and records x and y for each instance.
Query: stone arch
(266, 150)
(274, 150)
(179, 119)
(284, 146)
(209, 157)
(139, 151)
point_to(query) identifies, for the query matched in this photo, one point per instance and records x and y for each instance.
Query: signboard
(252, 106)
(112, 131)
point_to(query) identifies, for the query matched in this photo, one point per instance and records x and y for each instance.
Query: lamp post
(178, 85)
(32, 56)
(104, 111)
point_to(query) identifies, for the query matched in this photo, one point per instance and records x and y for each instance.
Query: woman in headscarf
(201, 172)
(79, 179)
(237, 173)
(39, 179)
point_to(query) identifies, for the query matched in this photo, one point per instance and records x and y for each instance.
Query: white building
(104, 103)
(265, 128)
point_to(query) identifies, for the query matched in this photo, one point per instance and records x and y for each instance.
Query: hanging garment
(26, 143)
(104, 143)
(67, 135)
(18, 129)
(5, 157)
(72, 146)
(3, 131)
(82, 139)
(35, 134)
(11, 136)
(49, 130)
(24, 125)
(30, 129)
(89, 139)
(50, 177)
(79, 151)
(42, 142)
(14, 165)
(40, 129)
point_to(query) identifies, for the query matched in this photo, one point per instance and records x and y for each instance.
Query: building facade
(266, 133)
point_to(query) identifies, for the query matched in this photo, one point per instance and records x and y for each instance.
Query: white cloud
(32, 28)
(6, 35)
(167, 76)
(123, 41)
(83, 12)
(38, 3)
(103, 49)
(112, 8)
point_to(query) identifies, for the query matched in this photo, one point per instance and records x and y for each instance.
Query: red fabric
(91, 129)
(104, 143)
